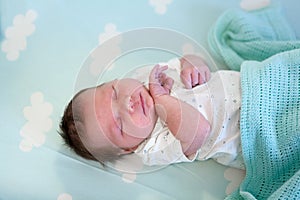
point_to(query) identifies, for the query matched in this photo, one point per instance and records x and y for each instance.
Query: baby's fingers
(153, 72)
(195, 78)
(162, 68)
(168, 83)
(156, 71)
(186, 80)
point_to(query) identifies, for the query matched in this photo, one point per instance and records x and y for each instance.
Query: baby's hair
(69, 132)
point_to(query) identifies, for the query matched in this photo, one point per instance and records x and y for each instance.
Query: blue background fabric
(44, 44)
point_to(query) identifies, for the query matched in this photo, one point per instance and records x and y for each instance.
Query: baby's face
(119, 113)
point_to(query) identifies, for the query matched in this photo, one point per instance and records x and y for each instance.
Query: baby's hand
(159, 82)
(194, 71)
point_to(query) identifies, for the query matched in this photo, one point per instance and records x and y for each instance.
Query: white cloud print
(110, 30)
(16, 35)
(160, 6)
(38, 122)
(108, 50)
(64, 196)
(254, 4)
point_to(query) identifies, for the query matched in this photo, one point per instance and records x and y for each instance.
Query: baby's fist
(194, 71)
(159, 82)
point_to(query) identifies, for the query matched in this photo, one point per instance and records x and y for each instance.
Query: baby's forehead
(82, 100)
(85, 95)
(88, 92)
(85, 99)
(94, 130)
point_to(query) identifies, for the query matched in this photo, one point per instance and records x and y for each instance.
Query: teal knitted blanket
(239, 35)
(270, 128)
(263, 46)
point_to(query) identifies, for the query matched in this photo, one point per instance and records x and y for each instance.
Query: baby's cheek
(140, 121)
(137, 127)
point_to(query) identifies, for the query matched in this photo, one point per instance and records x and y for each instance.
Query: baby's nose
(132, 104)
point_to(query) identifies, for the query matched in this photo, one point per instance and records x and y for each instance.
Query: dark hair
(69, 133)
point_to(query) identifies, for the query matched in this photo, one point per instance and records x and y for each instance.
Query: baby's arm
(186, 123)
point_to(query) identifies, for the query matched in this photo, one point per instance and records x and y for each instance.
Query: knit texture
(270, 128)
(239, 35)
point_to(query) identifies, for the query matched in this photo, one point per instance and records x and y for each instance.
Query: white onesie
(219, 100)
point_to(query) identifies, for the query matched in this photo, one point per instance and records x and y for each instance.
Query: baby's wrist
(157, 98)
(161, 111)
